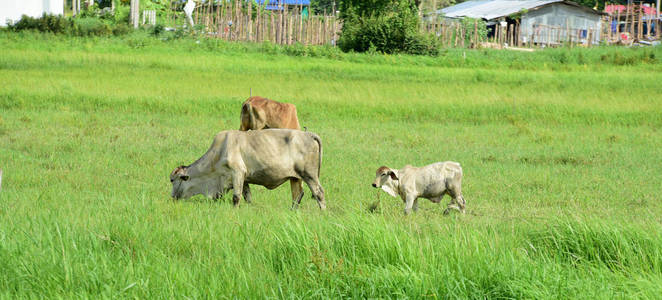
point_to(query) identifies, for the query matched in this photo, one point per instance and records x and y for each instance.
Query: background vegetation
(561, 151)
(383, 26)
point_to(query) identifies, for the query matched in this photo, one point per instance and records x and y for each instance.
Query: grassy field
(561, 150)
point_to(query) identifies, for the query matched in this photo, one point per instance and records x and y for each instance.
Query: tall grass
(561, 169)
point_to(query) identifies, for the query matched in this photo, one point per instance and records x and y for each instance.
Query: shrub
(297, 49)
(472, 25)
(47, 23)
(158, 29)
(79, 26)
(386, 26)
(91, 27)
(121, 29)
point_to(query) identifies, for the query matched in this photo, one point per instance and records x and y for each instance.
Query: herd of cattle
(282, 152)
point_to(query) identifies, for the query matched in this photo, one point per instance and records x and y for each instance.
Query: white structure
(12, 10)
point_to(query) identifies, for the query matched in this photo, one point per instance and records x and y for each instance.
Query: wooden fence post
(640, 26)
(475, 34)
(272, 28)
(300, 31)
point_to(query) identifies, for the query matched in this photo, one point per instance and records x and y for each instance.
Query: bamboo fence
(237, 20)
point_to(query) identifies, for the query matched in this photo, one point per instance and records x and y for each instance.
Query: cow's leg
(296, 186)
(247, 193)
(415, 207)
(409, 203)
(317, 191)
(237, 188)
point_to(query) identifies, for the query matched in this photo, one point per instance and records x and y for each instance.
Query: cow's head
(186, 183)
(384, 179)
(180, 182)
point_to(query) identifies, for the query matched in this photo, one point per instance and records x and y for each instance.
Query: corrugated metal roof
(491, 9)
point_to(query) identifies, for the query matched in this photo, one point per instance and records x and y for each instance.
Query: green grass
(561, 151)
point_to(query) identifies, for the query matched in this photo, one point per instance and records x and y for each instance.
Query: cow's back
(275, 153)
(266, 113)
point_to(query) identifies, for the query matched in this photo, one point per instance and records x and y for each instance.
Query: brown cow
(262, 113)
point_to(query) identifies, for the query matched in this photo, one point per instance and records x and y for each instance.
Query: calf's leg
(454, 189)
(409, 203)
(457, 202)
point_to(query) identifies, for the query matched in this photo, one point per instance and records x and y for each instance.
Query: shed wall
(556, 23)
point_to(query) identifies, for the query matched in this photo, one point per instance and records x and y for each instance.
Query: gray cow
(264, 157)
(431, 182)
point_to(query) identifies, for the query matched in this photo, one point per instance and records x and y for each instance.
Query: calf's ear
(392, 174)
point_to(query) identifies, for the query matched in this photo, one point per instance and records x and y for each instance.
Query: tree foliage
(324, 6)
(388, 26)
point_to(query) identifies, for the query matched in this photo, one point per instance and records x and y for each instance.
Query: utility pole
(135, 13)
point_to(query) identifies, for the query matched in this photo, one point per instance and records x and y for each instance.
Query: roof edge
(567, 2)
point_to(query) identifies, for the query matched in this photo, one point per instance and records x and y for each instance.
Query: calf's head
(384, 179)
(383, 175)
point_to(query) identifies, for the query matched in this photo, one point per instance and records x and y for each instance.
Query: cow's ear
(392, 174)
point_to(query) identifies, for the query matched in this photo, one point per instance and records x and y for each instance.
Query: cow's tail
(319, 143)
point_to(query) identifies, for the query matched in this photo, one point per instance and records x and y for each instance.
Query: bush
(47, 23)
(158, 29)
(121, 29)
(91, 27)
(388, 27)
(472, 25)
(79, 26)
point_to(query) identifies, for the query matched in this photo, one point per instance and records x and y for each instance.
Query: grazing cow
(264, 157)
(262, 113)
(431, 182)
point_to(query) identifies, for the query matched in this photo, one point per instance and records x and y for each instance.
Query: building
(12, 10)
(281, 4)
(545, 22)
(637, 20)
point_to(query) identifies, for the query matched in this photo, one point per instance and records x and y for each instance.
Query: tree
(324, 6)
(388, 26)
